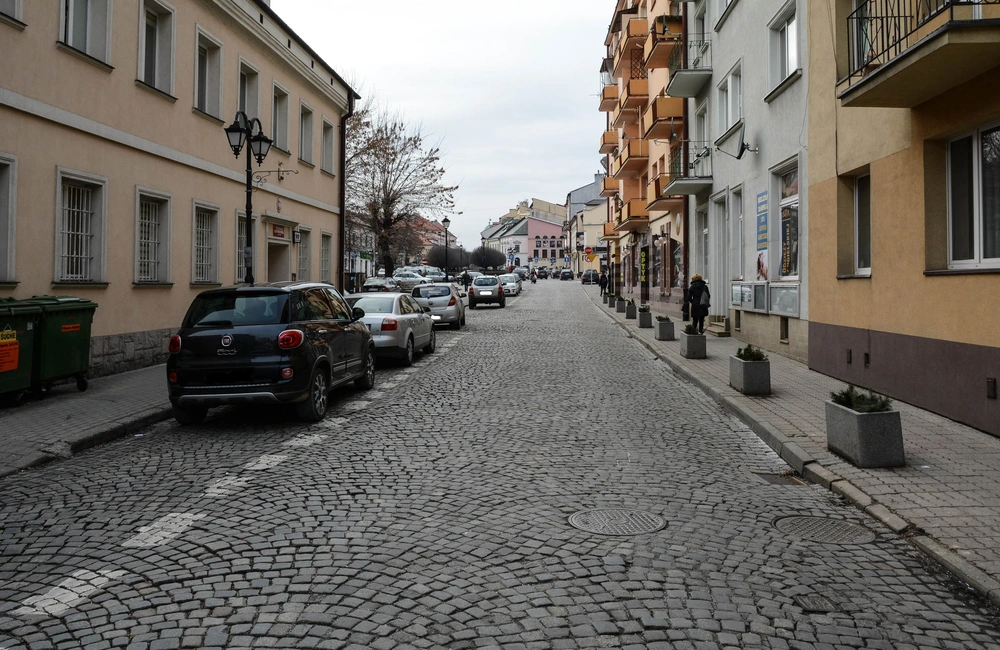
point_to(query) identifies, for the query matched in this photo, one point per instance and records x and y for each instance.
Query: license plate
(435, 317)
(486, 293)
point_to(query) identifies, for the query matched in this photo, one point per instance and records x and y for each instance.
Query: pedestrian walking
(465, 280)
(700, 299)
(602, 282)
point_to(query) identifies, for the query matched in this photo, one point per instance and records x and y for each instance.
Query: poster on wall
(790, 240)
(762, 237)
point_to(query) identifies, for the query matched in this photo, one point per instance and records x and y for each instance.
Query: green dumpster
(18, 326)
(62, 342)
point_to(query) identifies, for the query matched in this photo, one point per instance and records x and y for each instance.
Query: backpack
(705, 300)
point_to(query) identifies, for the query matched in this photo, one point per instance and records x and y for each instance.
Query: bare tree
(392, 176)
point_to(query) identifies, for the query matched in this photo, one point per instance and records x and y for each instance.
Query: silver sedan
(398, 325)
(445, 302)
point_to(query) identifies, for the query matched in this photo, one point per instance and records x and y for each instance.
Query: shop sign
(278, 231)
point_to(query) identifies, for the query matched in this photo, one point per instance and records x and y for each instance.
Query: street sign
(566, 259)
(536, 259)
(591, 257)
(510, 258)
(552, 261)
(588, 250)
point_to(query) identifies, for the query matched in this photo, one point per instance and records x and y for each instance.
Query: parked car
(379, 284)
(409, 279)
(542, 273)
(398, 325)
(445, 302)
(566, 274)
(288, 342)
(522, 272)
(590, 276)
(511, 284)
(486, 289)
(436, 276)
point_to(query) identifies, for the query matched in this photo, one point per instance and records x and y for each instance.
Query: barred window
(305, 261)
(204, 249)
(77, 233)
(149, 242)
(326, 258)
(241, 244)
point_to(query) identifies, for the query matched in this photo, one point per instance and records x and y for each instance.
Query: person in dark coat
(697, 289)
(602, 282)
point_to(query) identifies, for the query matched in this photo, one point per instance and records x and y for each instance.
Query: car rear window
(431, 292)
(228, 310)
(508, 278)
(484, 281)
(378, 305)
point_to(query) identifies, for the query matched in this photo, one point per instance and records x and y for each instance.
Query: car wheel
(188, 415)
(457, 325)
(408, 352)
(432, 344)
(314, 407)
(472, 305)
(462, 322)
(503, 303)
(367, 380)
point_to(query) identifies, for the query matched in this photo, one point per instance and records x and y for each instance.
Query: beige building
(904, 150)
(117, 183)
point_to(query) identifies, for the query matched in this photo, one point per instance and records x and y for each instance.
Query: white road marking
(162, 530)
(305, 440)
(264, 462)
(226, 486)
(67, 594)
(357, 405)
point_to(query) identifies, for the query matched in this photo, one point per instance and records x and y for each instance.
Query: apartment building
(904, 193)
(117, 182)
(586, 214)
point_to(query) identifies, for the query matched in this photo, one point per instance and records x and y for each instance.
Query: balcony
(690, 168)
(635, 94)
(902, 53)
(609, 142)
(609, 98)
(667, 33)
(632, 37)
(622, 16)
(663, 118)
(609, 231)
(609, 187)
(659, 200)
(632, 216)
(690, 67)
(632, 160)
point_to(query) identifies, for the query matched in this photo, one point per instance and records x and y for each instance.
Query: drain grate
(824, 531)
(617, 521)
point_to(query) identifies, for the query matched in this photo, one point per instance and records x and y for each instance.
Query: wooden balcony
(633, 35)
(659, 201)
(609, 98)
(609, 187)
(666, 34)
(609, 142)
(663, 118)
(635, 94)
(633, 216)
(632, 160)
(609, 231)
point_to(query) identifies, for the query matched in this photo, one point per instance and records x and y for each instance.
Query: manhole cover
(824, 531)
(617, 521)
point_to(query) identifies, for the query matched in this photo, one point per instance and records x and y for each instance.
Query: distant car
(398, 325)
(511, 284)
(543, 273)
(486, 289)
(522, 272)
(436, 276)
(566, 274)
(445, 302)
(288, 342)
(590, 276)
(379, 284)
(409, 279)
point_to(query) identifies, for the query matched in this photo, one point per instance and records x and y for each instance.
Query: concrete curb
(813, 471)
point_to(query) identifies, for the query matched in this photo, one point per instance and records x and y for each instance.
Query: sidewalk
(65, 421)
(946, 499)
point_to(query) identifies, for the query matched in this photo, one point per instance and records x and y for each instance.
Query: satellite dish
(743, 141)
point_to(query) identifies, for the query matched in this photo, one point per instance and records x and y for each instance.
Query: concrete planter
(693, 346)
(605, 298)
(664, 330)
(750, 377)
(620, 306)
(630, 311)
(865, 439)
(645, 319)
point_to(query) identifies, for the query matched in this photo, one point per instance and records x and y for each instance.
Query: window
(86, 26)
(279, 118)
(152, 245)
(545, 253)
(730, 100)
(156, 46)
(305, 134)
(863, 225)
(701, 218)
(305, 260)
(788, 207)
(326, 258)
(8, 205)
(11, 8)
(248, 90)
(328, 147)
(241, 244)
(208, 75)
(784, 45)
(736, 242)
(974, 198)
(80, 227)
(206, 234)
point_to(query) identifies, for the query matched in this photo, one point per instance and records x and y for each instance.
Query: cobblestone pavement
(434, 512)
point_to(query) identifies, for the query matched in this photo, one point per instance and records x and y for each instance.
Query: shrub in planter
(645, 317)
(664, 329)
(864, 429)
(750, 371)
(620, 305)
(693, 344)
(630, 309)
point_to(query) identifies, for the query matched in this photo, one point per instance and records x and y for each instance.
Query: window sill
(208, 116)
(725, 14)
(275, 147)
(731, 131)
(330, 174)
(156, 91)
(969, 271)
(783, 86)
(83, 56)
(307, 163)
(152, 285)
(855, 276)
(206, 284)
(13, 22)
(80, 285)
(9, 285)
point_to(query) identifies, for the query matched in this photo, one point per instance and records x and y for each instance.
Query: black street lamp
(446, 222)
(238, 133)
(482, 251)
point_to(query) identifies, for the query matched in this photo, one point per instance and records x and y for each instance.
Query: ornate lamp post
(238, 133)
(446, 222)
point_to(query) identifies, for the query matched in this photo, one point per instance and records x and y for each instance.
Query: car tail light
(286, 373)
(389, 325)
(452, 302)
(175, 344)
(172, 377)
(290, 339)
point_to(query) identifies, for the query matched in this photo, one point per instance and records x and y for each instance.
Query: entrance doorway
(279, 256)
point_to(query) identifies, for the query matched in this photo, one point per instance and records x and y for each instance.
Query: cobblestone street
(437, 511)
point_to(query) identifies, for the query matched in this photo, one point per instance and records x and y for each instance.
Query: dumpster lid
(60, 303)
(14, 307)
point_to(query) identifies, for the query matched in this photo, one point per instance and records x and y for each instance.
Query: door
(353, 335)
(323, 331)
(278, 262)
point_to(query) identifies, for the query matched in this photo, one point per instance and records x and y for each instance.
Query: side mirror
(358, 313)
(427, 310)
(462, 294)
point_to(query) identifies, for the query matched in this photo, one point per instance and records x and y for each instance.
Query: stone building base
(129, 351)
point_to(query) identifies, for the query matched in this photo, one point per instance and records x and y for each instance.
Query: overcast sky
(509, 88)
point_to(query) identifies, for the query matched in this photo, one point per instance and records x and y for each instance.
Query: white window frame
(98, 28)
(737, 234)
(280, 99)
(8, 216)
(326, 257)
(213, 72)
(328, 140)
(165, 203)
(784, 51)
(858, 269)
(163, 68)
(307, 132)
(304, 255)
(730, 99)
(703, 232)
(252, 72)
(18, 10)
(213, 276)
(978, 261)
(97, 267)
(241, 268)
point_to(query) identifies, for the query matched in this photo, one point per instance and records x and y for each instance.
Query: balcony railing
(609, 142)
(609, 186)
(690, 168)
(632, 216)
(690, 67)
(633, 158)
(609, 98)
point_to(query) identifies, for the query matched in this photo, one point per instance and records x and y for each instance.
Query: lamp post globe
(446, 222)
